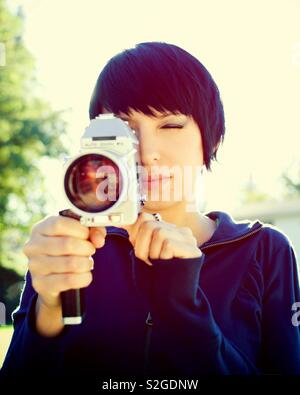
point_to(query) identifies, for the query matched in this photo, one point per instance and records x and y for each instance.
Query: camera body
(101, 182)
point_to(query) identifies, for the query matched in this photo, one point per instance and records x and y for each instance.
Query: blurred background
(51, 53)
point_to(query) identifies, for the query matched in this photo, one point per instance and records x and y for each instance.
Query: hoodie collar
(228, 230)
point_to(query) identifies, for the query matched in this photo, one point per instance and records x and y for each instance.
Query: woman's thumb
(97, 236)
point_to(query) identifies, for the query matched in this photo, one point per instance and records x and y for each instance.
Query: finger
(148, 262)
(97, 236)
(61, 226)
(54, 284)
(161, 232)
(46, 264)
(135, 227)
(143, 240)
(156, 243)
(167, 250)
(58, 245)
(182, 249)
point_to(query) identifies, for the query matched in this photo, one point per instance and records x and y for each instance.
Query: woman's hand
(59, 256)
(161, 240)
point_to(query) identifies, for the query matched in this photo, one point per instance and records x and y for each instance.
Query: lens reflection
(93, 183)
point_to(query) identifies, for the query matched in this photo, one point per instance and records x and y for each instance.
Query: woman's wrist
(48, 318)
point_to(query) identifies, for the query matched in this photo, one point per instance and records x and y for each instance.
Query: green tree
(291, 180)
(29, 130)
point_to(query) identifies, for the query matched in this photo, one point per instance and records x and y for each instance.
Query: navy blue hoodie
(228, 312)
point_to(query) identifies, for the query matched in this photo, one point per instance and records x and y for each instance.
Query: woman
(178, 293)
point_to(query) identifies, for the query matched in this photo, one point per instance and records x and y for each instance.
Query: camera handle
(73, 299)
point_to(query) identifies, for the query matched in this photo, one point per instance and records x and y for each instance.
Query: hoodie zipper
(149, 324)
(149, 320)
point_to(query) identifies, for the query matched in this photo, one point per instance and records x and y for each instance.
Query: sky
(251, 48)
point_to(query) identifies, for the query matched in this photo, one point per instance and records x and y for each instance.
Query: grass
(5, 336)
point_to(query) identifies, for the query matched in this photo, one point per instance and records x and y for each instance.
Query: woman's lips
(155, 180)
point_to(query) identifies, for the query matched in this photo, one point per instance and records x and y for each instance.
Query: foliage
(29, 131)
(292, 181)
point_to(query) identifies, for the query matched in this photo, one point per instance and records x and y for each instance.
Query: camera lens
(93, 183)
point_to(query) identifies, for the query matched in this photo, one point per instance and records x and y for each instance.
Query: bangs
(141, 80)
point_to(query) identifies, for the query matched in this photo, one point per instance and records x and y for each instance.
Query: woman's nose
(148, 149)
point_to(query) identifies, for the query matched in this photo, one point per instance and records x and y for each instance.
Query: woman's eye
(172, 127)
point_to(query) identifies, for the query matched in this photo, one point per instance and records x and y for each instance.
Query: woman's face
(170, 156)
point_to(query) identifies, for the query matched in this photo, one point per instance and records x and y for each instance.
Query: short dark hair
(167, 78)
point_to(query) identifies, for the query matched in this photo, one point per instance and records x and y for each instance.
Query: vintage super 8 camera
(101, 187)
(101, 182)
